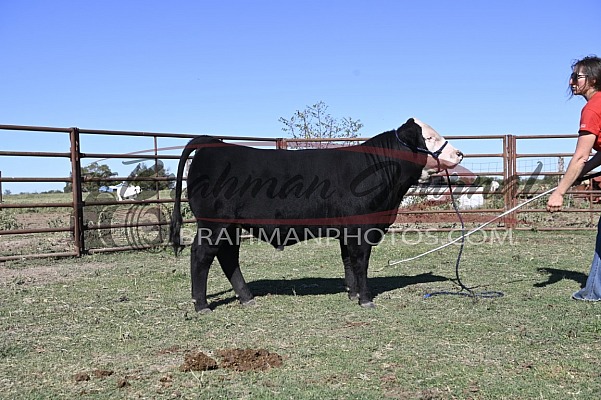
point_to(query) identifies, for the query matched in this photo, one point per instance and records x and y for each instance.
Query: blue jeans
(592, 290)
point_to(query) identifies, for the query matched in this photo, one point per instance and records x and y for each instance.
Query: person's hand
(555, 202)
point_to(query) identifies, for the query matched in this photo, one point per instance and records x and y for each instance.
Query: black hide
(286, 196)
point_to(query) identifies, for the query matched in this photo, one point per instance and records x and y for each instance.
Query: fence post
(158, 209)
(509, 161)
(514, 181)
(280, 143)
(78, 220)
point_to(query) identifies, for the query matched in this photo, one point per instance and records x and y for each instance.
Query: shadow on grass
(556, 275)
(324, 286)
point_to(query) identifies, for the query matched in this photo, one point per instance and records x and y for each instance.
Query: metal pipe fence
(87, 222)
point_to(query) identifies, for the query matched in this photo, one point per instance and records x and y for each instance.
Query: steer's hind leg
(201, 258)
(229, 258)
(349, 275)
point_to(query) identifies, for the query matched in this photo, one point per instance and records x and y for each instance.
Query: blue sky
(236, 67)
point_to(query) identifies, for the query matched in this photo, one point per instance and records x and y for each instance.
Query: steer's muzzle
(450, 159)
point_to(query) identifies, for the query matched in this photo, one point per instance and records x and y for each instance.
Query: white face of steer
(448, 158)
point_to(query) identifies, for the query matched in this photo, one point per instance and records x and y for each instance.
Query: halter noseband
(434, 154)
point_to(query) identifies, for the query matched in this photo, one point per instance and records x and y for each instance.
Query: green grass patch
(130, 314)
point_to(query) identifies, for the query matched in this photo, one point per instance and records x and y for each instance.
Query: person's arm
(591, 164)
(579, 164)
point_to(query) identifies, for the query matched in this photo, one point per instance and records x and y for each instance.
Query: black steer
(283, 197)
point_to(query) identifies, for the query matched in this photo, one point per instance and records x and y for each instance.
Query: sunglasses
(575, 76)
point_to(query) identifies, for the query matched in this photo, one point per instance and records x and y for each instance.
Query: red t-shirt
(590, 119)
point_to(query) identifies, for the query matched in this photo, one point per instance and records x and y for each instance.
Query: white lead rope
(390, 263)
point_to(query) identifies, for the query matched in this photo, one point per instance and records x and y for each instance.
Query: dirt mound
(197, 361)
(236, 359)
(97, 373)
(249, 359)
(81, 377)
(102, 373)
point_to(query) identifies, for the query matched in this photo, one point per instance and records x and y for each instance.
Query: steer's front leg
(359, 256)
(349, 275)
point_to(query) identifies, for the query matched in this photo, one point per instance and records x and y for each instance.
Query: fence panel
(83, 222)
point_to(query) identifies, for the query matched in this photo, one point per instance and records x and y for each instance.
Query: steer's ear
(411, 133)
(409, 125)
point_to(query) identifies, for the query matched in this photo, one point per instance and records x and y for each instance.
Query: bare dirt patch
(47, 274)
(236, 359)
(249, 359)
(197, 361)
(39, 220)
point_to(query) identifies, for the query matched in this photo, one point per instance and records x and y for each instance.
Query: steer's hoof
(353, 296)
(201, 307)
(368, 304)
(249, 303)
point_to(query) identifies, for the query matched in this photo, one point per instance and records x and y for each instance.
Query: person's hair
(591, 67)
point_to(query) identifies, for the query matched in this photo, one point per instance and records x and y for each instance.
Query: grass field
(121, 325)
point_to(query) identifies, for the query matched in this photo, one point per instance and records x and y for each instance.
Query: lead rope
(391, 263)
(468, 291)
(454, 203)
(465, 291)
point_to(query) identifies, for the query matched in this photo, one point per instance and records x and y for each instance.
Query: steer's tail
(176, 217)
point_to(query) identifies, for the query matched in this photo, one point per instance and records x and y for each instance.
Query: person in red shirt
(585, 81)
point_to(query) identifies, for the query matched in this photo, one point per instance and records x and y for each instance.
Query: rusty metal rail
(78, 226)
(80, 229)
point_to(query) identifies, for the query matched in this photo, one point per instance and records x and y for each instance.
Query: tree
(314, 122)
(94, 170)
(157, 170)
